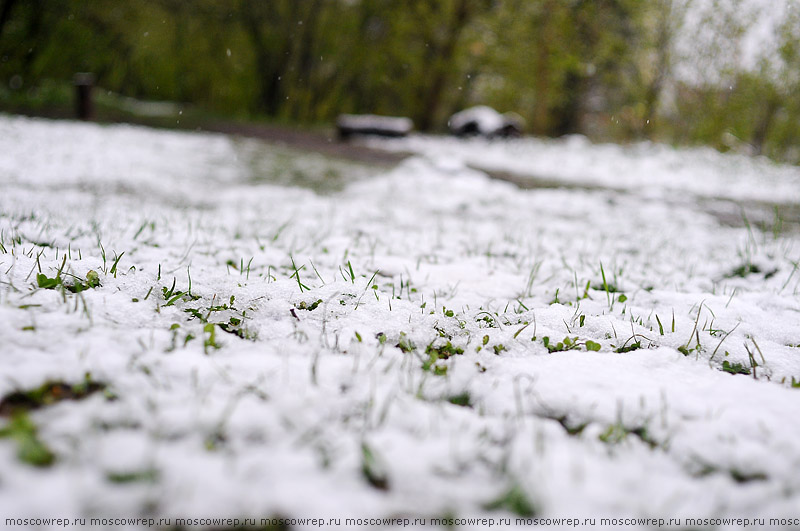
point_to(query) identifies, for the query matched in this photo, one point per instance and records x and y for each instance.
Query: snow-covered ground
(421, 385)
(645, 169)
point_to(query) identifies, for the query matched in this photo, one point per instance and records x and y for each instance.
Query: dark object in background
(485, 121)
(84, 82)
(370, 124)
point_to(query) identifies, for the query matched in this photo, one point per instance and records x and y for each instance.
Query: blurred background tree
(610, 69)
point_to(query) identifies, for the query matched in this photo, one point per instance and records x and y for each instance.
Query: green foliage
(463, 399)
(48, 283)
(743, 270)
(569, 343)
(211, 339)
(92, 279)
(75, 285)
(30, 449)
(235, 327)
(309, 306)
(436, 353)
(686, 350)
(618, 432)
(444, 351)
(566, 344)
(148, 475)
(636, 345)
(296, 276)
(373, 469)
(597, 68)
(405, 344)
(514, 500)
(47, 394)
(734, 368)
(660, 326)
(171, 295)
(592, 346)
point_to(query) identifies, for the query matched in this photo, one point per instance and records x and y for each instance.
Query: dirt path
(324, 142)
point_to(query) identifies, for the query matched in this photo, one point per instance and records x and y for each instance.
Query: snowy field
(185, 335)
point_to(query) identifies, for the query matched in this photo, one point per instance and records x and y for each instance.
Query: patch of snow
(274, 418)
(374, 124)
(483, 120)
(643, 168)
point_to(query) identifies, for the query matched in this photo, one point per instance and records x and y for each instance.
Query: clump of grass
(569, 343)
(303, 305)
(75, 286)
(484, 342)
(215, 440)
(373, 469)
(149, 475)
(486, 320)
(566, 344)
(636, 345)
(462, 399)
(30, 449)
(47, 394)
(571, 428)
(746, 477)
(514, 500)
(739, 476)
(296, 276)
(444, 352)
(743, 270)
(437, 353)
(660, 326)
(171, 295)
(430, 365)
(614, 434)
(211, 340)
(405, 344)
(618, 432)
(685, 349)
(234, 326)
(734, 368)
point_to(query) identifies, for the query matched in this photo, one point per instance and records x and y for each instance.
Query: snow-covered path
(382, 351)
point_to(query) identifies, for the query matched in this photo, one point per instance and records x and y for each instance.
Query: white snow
(643, 169)
(487, 120)
(273, 424)
(396, 125)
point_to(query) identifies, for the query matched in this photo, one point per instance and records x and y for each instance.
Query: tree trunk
(272, 64)
(433, 96)
(764, 125)
(5, 13)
